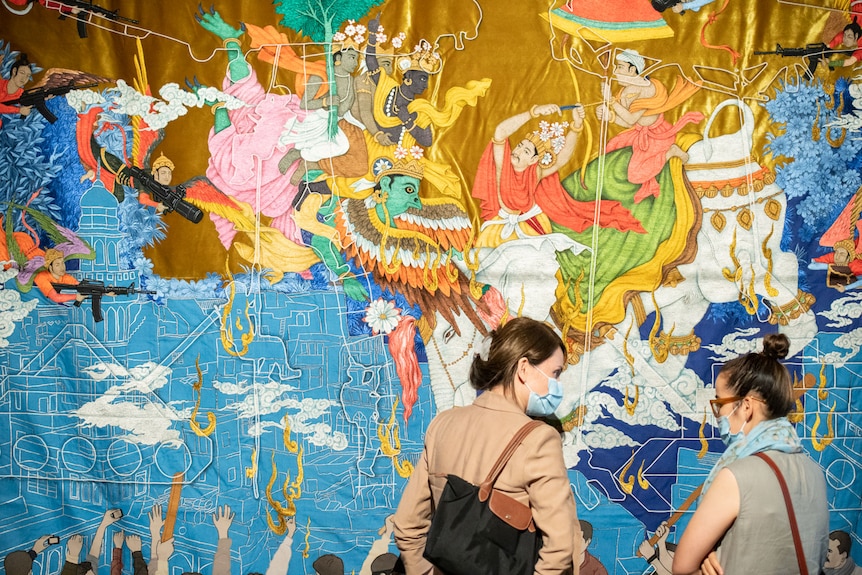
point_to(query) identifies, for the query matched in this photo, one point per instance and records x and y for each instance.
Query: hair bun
(776, 345)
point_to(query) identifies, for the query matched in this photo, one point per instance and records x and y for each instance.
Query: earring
(408, 81)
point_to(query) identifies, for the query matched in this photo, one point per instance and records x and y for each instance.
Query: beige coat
(466, 441)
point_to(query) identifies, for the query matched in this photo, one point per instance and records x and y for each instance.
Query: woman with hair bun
(517, 378)
(741, 524)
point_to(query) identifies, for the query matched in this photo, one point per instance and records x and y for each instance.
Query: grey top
(760, 541)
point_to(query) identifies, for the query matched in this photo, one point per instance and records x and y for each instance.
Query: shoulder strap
(791, 515)
(488, 484)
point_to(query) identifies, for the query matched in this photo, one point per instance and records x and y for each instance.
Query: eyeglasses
(716, 403)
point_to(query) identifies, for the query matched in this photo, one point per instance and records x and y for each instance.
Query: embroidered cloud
(602, 436)
(265, 399)
(844, 311)
(733, 345)
(851, 340)
(145, 378)
(175, 102)
(12, 309)
(132, 406)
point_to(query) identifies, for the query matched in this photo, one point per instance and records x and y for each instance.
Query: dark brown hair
(520, 337)
(764, 374)
(19, 62)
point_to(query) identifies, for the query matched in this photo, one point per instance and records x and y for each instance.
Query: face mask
(544, 405)
(724, 429)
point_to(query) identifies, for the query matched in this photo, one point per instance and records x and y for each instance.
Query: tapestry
(250, 249)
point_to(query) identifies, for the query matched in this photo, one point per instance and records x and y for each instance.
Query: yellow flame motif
(291, 446)
(822, 443)
(307, 547)
(631, 405)
(749, 301)
(392, 448)
(211, 418)
(798, 414)
(627, 485)
(659, 351)
(630, 359)
(704, 446)
(644, 484)
(290, 491)
(227, 338)
(250, 472)
(767, 253)
(799, 389)
(821, 389)
(523, 301)
(472, 263)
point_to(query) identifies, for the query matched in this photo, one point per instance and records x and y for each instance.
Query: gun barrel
(173, 199)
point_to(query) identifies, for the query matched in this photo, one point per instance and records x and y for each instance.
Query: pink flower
(400, 153)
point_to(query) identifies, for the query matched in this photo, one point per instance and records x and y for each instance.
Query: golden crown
(386, 167)
(162, 162)
(383, 52)
(847, 244)
(423, 58)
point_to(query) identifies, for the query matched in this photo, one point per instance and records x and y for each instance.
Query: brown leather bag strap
(794, 530)
(488, 484)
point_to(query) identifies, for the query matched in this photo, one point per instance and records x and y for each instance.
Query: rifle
(174, 200)
(36, 97)
(88, 6)
(95, 290)
(813, 52)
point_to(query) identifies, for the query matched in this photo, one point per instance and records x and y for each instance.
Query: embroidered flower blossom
(417, 152)
(382, 316)
(547, 159)
(400, 153)
(558, 128)
(398, 40)
(339, 37)
(360, 29)
(557, 143)
(359, 38)
(380, 165)
(350, 29)
(380, 36)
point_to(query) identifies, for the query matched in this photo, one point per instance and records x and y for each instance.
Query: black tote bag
(479, 531)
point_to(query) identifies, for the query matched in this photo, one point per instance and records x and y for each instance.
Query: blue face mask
(724, 429)
(544, 405)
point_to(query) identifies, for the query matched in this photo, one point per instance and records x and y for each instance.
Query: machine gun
(88, 6)
(36, 97)
(174, 200)
(813, 52)
(95, 290)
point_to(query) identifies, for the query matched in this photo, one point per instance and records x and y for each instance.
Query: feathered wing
(59, 77)
(418, 256)
(274, 251)
(144, 139)
(63, 239)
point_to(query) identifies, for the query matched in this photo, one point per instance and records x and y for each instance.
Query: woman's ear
(523, 365)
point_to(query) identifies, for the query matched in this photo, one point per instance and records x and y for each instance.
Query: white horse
(738, 259)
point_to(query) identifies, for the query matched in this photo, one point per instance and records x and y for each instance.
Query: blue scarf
(770, 435)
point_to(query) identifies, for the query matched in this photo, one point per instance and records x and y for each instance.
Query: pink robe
(650, 145)
(245, 155)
